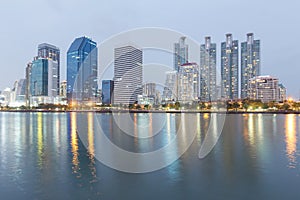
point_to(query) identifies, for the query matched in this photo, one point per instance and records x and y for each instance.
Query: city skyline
(270, 27)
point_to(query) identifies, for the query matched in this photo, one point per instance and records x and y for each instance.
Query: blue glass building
(43, 76)
(82, 59)
(107, 91)
(39, 77)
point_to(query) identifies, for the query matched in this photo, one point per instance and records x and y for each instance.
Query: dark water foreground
(42, 156)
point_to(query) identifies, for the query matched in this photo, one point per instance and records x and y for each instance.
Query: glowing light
(74, 142)
(91, 134)
(40, 144)
(291, 138)
(290, 99)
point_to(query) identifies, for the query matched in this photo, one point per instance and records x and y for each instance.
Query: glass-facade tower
(107, 91)
(50, 52)
(82, 66)
(43, 78)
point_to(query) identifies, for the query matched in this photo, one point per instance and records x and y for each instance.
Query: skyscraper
(188, 82)
(180, 53)
(43, 78)
(208, 70)
(27, 91)
(250, 62)
(82, 66)
(52, 52)
(128, 74)
(107, 92)
(170, 92)
(229, 68)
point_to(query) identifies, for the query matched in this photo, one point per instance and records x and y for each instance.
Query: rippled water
(53, 156)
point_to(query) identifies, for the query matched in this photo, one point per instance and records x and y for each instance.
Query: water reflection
(250, 155)
(91, 145)
(40, 144)
(74, 143)
(291, 139)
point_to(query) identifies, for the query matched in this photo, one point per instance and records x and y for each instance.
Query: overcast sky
(25, 24)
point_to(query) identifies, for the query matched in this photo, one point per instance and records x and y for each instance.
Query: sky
(25, 24)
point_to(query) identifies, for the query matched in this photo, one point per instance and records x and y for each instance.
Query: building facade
(82, 68)
(107, 92)
(250, 62)
(43, 77)
(281, 92)
(208, 78)
(170, 92)
(188, 82)
(128, 74)
(264, 88)
(50, 52)
(63, 89)
(180, 53)
(230, 68)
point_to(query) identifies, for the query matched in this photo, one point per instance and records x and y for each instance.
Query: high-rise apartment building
(82, 66)
(128, 74)
(230, 68)
(208, 77)
(180, 53)
(188, 82)
(250, 62)
(170, 92)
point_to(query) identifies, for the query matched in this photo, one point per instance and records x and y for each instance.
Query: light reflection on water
(291, 139)
(42, 157)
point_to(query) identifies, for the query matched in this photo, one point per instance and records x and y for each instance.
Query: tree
(177, 105)
(246, 106)
(236, 105)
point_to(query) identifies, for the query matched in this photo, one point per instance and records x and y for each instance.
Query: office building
(229, 68)
(107, 92)
(50, 52)
(208, 67)
(43, 77)
(180, 53)
(82, 66)
(128, 74)
(250, 62)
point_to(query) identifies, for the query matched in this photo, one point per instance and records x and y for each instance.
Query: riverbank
(157, 111)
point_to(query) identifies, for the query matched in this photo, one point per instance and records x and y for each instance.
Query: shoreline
(153, 111)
